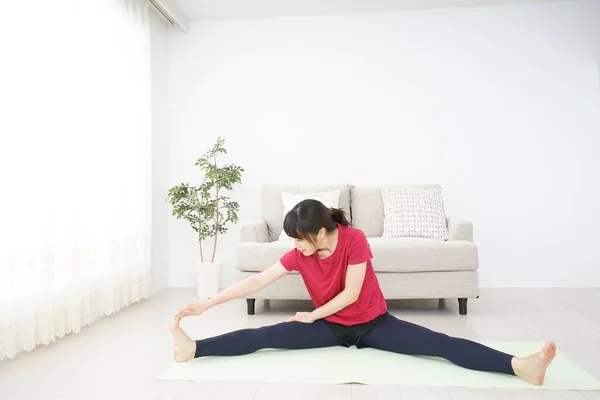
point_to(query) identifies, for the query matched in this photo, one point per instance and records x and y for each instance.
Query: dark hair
(307, 218)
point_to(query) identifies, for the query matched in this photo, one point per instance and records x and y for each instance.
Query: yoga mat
(339, 365)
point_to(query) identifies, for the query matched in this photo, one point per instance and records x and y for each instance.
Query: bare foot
(185, 348)
(533, 368)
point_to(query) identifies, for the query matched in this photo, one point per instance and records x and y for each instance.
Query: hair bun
(339, 215)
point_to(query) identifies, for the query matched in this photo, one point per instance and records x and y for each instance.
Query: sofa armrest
(459, 229)
(254, 232)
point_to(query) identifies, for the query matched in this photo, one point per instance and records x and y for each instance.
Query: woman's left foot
(533, 368)
(185, 348)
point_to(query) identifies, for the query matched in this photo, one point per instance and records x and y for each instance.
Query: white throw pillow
(330, 199)
(414, 212)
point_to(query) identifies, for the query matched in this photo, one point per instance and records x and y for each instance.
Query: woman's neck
(330, 242)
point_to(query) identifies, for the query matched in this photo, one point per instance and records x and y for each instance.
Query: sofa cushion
(260, 256)
(272, 204)
(366, 205)
(413, 212)
(389, 255)
(330, 199)
(422, 254)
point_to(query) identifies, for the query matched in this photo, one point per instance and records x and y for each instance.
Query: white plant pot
(208, 279)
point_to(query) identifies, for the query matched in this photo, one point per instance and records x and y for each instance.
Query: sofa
(406, 267)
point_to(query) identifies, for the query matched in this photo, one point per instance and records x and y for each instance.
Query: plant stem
(201, 256)
(199, 228)
(216, 212)
(200, 244)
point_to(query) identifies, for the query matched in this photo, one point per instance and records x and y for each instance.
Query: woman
(334, 260)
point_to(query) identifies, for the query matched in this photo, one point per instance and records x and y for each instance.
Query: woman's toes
(550, 350)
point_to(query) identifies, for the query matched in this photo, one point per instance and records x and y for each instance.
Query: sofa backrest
(366, 205)
(272, 204)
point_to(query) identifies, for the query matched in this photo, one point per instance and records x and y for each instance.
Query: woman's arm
(355, 276)
(249, 285)
(242, 288)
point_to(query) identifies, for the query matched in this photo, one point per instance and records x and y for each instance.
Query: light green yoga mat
(339, 365)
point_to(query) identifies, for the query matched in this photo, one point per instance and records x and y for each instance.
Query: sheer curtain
(75, 210)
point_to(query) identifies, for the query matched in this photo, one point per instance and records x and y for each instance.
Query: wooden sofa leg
(251, 303)
(462, 306)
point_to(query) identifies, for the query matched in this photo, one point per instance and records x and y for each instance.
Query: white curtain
(75, 206)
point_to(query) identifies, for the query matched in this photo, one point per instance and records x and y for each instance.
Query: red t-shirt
(325, 278)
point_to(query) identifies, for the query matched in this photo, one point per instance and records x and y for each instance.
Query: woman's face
(306, 247)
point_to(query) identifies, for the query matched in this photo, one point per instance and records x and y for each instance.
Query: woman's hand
(304, 317)
(192, 309)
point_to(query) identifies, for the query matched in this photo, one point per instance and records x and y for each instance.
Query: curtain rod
(171, 13)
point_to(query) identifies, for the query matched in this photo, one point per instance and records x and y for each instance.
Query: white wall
(500, 105)
(593, 12)
(160, 211)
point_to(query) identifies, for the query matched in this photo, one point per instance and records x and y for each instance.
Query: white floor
(120, 356)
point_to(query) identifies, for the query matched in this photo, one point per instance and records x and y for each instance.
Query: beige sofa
(407, 268)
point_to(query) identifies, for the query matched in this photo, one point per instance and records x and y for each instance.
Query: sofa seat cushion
(422, 255)
(389, 255)
(251, 256)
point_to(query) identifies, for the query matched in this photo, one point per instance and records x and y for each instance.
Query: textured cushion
(330, 199)
(413, 212)
(367, 208)
(420, 254)
(272, 204)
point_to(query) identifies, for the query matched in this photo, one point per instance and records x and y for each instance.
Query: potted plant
(208, 211)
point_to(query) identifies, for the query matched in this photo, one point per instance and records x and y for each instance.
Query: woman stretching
(334, 261)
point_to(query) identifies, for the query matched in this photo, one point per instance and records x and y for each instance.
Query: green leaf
(208, 214)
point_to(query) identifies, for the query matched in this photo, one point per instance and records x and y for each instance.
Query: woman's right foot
(533, 368)
(185, 348)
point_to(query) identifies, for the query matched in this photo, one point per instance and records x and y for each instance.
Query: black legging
(391, 335)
